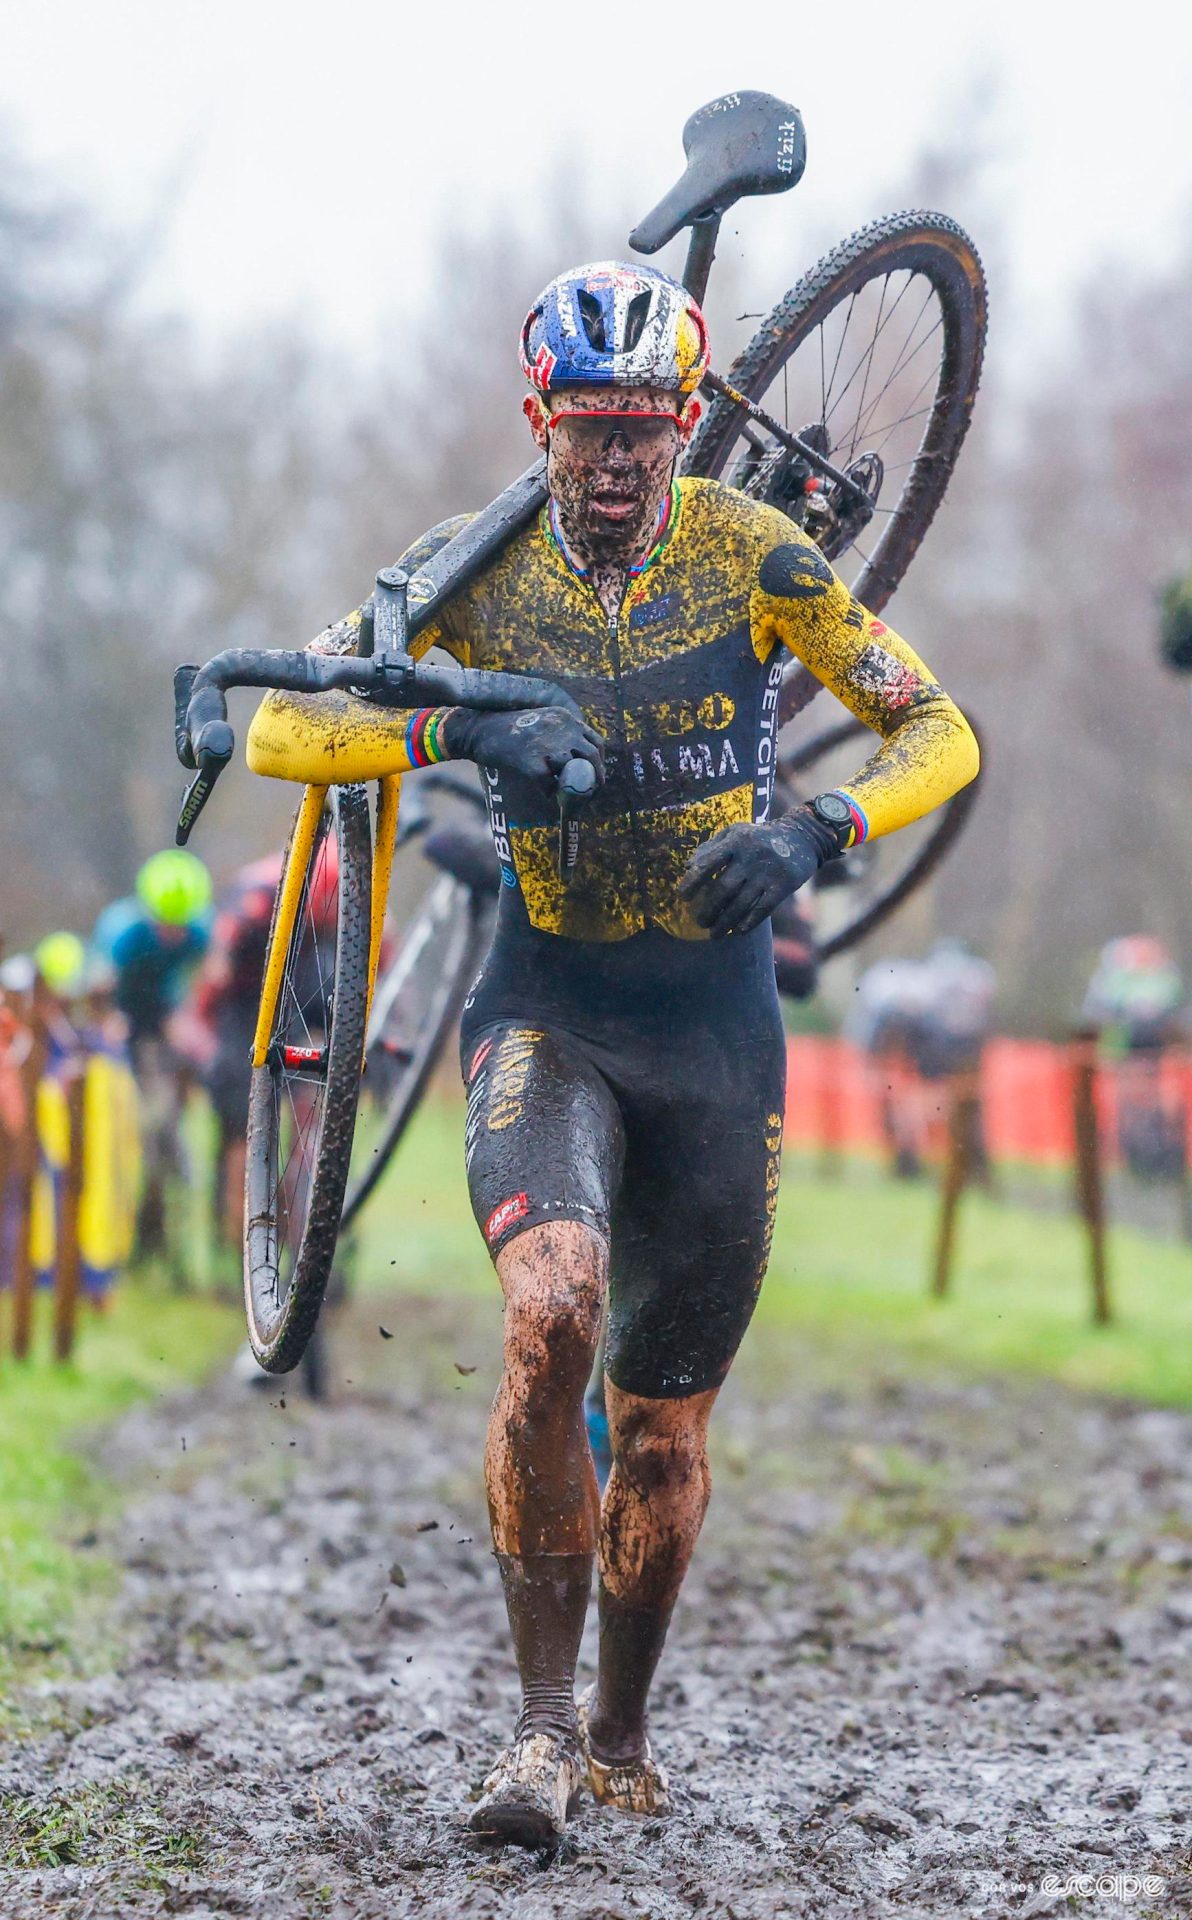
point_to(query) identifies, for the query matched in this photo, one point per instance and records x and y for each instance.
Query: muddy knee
(554, 1279)
(660, 1443)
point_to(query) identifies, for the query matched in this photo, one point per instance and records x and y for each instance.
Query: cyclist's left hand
(738, 878)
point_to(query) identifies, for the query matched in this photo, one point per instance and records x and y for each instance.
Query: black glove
(535, 742)
(739, 877)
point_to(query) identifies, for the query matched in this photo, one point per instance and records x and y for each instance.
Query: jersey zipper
(614, 635)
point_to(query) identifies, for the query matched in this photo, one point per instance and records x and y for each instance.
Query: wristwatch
(834, 810)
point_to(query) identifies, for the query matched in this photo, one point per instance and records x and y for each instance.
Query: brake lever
(195, 799)
(212, 751)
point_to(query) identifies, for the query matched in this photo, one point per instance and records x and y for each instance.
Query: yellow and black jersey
(683, 683)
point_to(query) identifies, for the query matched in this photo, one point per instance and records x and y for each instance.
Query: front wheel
(302, 1102)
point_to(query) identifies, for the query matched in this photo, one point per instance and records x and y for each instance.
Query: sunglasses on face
(594, 435)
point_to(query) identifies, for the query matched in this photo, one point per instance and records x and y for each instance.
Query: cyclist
(946, 1028)
(1175, 624)
(622, 1046)
(1135, 1000)
(1135, 995)
(154, 940)
(61, 960)
(882, 1022)
(221, 1017)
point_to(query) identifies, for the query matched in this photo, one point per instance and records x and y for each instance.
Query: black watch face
(834, 810)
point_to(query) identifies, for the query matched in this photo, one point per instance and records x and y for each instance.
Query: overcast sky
(310, 151)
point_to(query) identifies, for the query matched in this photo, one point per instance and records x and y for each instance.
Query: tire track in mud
(936, 1646)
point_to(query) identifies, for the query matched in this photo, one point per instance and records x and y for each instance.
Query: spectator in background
(880, 1022)
(1175, 624)
(1134, 1001)
(1135, 996)
(921, 1022)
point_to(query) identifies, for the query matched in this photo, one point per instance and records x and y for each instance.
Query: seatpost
(701, 251)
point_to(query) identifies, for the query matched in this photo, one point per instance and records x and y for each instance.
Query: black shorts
(637, 1088)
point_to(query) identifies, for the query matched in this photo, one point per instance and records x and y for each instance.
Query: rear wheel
(855, 896)
(302, 1103)
(875, 359)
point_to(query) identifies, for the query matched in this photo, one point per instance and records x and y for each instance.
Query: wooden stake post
(1090, 1183)
(964, 1114)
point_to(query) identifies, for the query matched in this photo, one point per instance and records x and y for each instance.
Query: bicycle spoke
(885, 323)
(840, 349)
(918, 413)
(914, 413)
(852, 447)
(902, 365)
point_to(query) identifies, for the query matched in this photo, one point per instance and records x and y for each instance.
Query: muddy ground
(937, 1647)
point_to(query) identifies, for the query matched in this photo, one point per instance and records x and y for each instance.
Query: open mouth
(613, 504)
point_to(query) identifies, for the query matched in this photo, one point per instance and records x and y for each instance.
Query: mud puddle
(934, 1659)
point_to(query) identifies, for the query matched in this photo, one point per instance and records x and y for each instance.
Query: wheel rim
(297, 1156)
(292, 1087)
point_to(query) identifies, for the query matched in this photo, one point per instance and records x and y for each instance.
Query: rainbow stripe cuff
(860, 823)
(424, 744)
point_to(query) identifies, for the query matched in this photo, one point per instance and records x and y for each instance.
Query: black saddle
(740, 144)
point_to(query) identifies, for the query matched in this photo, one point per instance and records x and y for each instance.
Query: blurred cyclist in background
(1135, 996)
(216, 1028)
(153, 941)
(921, 1022)
(1135, 1000)
(956, 1007)
(1175, 624)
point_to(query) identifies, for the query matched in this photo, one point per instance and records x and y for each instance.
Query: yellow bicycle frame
(324, 740)
(289, 896)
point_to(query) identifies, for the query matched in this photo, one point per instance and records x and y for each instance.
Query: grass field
(849, 1274)
(52, 1486)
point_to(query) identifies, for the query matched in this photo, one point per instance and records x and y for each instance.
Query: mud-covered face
(610, 462)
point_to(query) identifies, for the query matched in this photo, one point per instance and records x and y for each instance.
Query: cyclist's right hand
(536, 743)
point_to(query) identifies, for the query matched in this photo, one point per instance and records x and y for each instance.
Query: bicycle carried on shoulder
(847, 412)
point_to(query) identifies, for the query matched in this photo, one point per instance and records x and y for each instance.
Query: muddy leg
(542, 1496)
(654, 1506)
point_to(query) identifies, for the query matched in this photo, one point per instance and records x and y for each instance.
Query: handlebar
(204, 741)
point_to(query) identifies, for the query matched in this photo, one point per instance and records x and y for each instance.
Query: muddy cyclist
(622, 1047)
